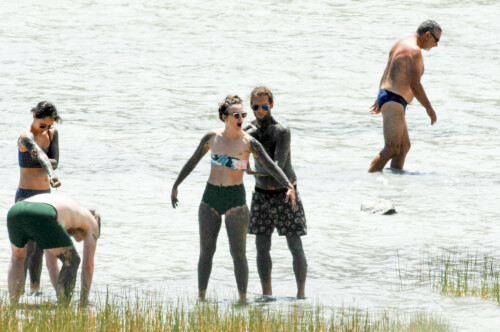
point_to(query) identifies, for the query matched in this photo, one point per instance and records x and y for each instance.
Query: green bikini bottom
(224, 198)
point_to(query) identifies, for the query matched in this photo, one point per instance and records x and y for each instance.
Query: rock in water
(380, 206)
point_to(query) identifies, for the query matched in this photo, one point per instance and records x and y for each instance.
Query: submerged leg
(237, 228)
(264, 262)
(394, 124)
(299, 263)
(399, 160)
(209, 224)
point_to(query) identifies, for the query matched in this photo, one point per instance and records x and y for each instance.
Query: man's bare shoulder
(406, 46)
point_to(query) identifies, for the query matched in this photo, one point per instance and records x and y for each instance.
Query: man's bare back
(396, 78)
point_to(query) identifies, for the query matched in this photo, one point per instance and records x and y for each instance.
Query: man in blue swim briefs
(50, 220)
(269, 208)
(400, 83)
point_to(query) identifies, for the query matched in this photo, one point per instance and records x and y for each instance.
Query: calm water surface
(138, 85)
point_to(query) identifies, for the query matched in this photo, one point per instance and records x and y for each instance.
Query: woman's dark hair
(46, 109)
(429, 25)
(228, 102)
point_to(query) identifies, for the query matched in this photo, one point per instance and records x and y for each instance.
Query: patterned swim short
(269, 210)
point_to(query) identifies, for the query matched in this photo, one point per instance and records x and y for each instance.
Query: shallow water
(138, 85)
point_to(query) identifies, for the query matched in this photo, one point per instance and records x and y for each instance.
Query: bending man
(50, 220)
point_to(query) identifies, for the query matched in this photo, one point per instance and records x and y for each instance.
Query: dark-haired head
(46, 109)
(429, 25)
(228, 102)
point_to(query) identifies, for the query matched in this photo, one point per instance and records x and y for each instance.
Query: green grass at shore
(147, 313)
(463, 274)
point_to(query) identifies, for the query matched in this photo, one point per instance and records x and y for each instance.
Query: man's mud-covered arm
(201, 150)
(267, 163)
(415, 65)
(54, 150)
(29, 142)
(283, 140)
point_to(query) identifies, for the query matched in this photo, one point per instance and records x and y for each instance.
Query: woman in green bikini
(225, 193)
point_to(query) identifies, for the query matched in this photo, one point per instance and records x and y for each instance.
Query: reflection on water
(138, 86)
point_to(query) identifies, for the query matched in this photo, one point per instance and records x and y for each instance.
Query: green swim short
(38, 222)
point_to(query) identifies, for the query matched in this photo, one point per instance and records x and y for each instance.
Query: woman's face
(235, 115)
(43, 124)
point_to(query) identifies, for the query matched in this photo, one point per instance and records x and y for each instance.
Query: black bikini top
(26, 161)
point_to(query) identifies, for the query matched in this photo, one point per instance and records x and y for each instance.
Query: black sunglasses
(237, 115)
(43, 126)
(265, 107)
(433, 36)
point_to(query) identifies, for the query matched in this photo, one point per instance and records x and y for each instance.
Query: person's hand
(290, 195)
(54, 182)
(432, 115)
(173, 197)
(374, 108)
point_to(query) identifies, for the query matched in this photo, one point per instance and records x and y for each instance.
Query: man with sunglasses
(400, 83)
(269, 208)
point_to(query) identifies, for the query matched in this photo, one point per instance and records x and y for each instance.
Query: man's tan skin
(402, 77)
(81, 224)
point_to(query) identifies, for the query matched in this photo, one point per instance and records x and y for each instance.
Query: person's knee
(405, 147)
(70, 259)
(263, 244)
(18, 255)
(391, 150)
(295, 246)
(74, 261)
(238, 254)
(208, 251)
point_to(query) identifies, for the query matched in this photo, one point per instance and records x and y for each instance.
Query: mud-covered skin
(29, 142)
(54, 150)
(265, 265)
(236, 226)
(234, 142)
(34, 259)
(201, 150)
(254, 147)
(33, 264)
(276, 139)
(264, 164)
(67, 276)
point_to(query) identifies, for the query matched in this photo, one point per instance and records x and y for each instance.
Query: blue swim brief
(385, 95)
